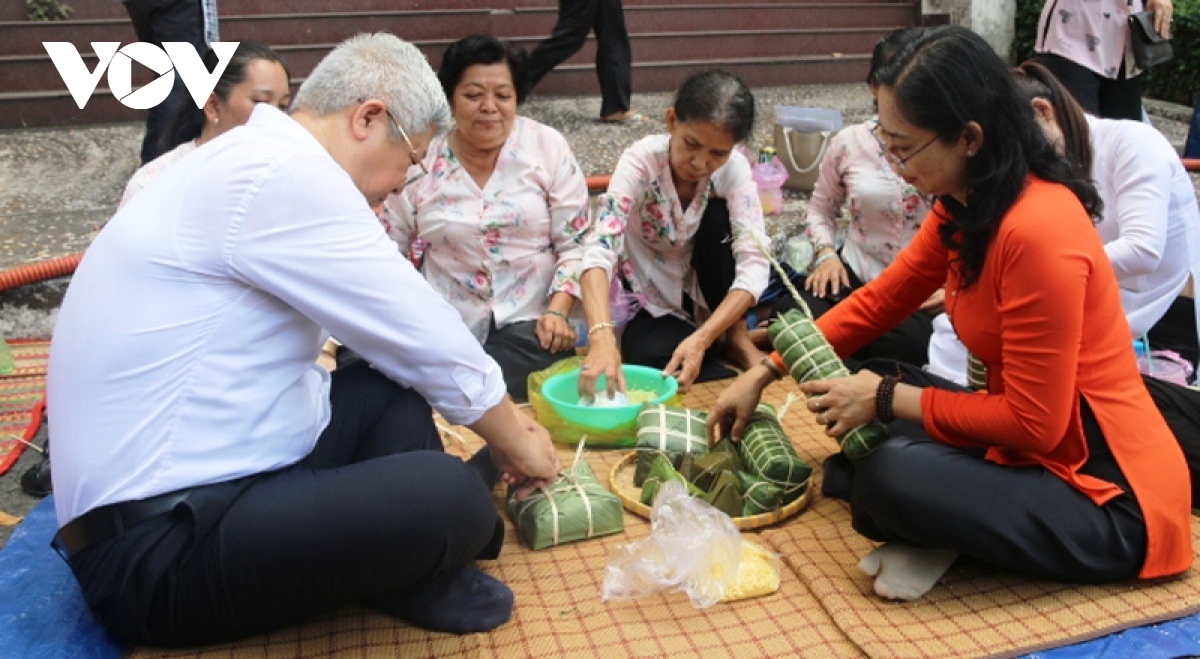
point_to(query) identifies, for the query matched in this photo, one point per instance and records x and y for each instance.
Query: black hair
(948, 77)
(188, 120)
(717, 97)
(887, 47)
(1036, 81)
(483, 49)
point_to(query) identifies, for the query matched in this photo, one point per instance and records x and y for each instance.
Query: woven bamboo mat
(21, 399)
(824, 608)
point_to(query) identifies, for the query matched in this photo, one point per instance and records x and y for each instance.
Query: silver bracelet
(820, 260)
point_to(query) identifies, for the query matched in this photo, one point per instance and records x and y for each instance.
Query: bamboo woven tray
(621, 480)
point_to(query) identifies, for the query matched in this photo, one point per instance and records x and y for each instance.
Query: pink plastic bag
(1166, 365)
(770, 177)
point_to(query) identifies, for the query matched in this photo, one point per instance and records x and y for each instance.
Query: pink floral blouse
(1092, 33)
(885, 212)
(501, 251)
(641, 225)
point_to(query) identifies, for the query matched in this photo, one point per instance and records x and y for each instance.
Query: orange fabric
(1046, 319)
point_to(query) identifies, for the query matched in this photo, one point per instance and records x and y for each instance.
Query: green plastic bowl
(562, 392)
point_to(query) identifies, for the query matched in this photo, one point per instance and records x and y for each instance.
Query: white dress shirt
(184, 353)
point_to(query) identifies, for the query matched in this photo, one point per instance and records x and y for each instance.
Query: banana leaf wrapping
(770, 456)
(810, 357)
(725, 494)
(704, 470)
(671, 431)
(575, 507)
(759, 496)
(661, 471)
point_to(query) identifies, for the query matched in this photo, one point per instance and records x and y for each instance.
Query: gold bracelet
(601, 326)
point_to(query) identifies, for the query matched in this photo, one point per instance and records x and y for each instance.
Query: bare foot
(740, 349)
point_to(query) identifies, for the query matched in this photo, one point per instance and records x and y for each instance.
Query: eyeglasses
(412, 151)
(896, 161)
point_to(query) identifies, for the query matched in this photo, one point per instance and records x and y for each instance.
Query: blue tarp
(42, 612)
(43, 616)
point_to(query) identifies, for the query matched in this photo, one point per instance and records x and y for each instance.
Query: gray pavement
(58, 184)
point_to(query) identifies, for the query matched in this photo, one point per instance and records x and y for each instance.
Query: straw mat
(824, 607)
(22, 397)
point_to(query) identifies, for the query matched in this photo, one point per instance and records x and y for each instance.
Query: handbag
(1149, 47)
(801, 153)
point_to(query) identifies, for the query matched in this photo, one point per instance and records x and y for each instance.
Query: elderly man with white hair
(213, 482)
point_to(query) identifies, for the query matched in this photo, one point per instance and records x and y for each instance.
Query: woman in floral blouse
(499, 215)
(683, 220)
(885, 213)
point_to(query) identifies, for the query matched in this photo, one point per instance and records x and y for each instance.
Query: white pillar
(991, 19)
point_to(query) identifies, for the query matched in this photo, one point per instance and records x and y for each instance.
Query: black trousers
(1103, 97)
(1176, 330)
(1180, 406)
(614, 61)
(516, 348)
(651, 341)
(921, 492)
(907, 342)
(157, 21)
(376, 507)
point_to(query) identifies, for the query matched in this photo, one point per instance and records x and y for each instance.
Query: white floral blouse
(502, 251)
(885, 212)
(641, 228)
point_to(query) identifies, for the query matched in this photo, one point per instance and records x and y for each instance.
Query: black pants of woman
(907, 342)
(651, 341)
(918, 491)
(517, 350)
(375, 509)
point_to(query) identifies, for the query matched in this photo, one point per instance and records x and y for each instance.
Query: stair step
(92, 9)
(22, 73)
(50, 108)
(23, 37)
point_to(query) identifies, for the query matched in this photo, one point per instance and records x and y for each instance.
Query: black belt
(105, 522)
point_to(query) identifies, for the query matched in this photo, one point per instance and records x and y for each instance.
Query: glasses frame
(412, 150)
(894, 160)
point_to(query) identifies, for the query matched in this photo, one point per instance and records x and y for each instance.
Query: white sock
(904, 572)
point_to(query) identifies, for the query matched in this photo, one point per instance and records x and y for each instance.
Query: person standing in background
(614, 61)
(159, 21)
(1085, 44)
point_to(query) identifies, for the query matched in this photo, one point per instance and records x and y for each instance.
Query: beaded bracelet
(552, 312)
(885, 394)
(601, 326)
(816, 264)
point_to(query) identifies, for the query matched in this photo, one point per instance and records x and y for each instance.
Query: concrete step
(31, 73)
(25, 38)
(57, 108)
(91, 9)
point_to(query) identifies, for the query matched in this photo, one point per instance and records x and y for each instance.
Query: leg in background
(158, 21)
(614, 60)
(575, 18)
